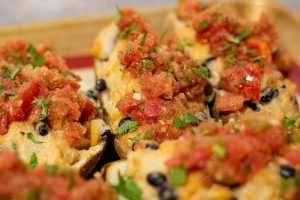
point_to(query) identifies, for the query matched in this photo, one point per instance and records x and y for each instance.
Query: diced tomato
(150, 110)
(89, 112)
(3, 121)
(229, 102)
(242, 80)
(27, 92)
(262, 47)
(128, 103)
(292, 155)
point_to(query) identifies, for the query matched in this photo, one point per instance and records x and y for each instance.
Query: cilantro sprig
(8, 74)
(289, 123)
(44, 104)
(38, 60)
(188, 119)
(128, 188)
(33, 161)
(127, 127)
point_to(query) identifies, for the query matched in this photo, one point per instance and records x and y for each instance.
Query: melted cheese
(52, 148)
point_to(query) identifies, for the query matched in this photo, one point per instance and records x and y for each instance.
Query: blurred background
(16, 12)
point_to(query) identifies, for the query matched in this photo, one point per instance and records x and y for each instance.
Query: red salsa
(36, 85)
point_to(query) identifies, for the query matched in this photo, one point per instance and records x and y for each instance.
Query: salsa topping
(46, 182)
(41, 92)
(171, 84)
(231, 153)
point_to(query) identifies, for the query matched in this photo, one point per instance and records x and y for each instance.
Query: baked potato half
(43, 115)
(221, 162)
(244, 58)
(153, 88)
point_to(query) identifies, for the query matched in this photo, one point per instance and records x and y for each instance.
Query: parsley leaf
(127, 126)
(44, 104)
(31, 137)
(203, 25)
(33, 161)
(178, 175)
(7, 73)
(32, 50)
(144, 38)
(128, 189)
(289, 123)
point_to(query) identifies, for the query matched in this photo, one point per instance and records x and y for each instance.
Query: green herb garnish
(118, 16)
(7, 93)
(128, 188)
(144, 38)
(7, 73)
(189, 118)
(124, 32)
(44, 104)
(39, 61)
(243, 80)
(231, 58)
(178, 175)
(178, 123)
(32, 50)
(68, 76)
(202, 71)
(31, 137)
(33, 161)
(203, 25)
(32, 195)
(257, 59)
(127, 127)
(243, 34)
(128, 50)
(289, 123)
(148, 63)
(219, 150)
(210, 98)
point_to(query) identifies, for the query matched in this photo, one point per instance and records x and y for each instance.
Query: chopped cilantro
(32, 50)
(54, 169)
(31, 137)
(185, 67)
(32, 195)
(257, 59)
(189, 118)
(210, 98)
(243, 80)
(202, 71)
(128, 49)
(148, 63)
(226, 47)
(128, 188)
(39, 61)
(44, 104)
(144, 38)
(186, 42)
(231, 58)
(243, 34)
(171, 71)
(7, 93)
(7, 73)
(118, 16)
(33, 161)
(127, 126)
(203, 25)
(219, 150)
(289, 123)
(178, 123)
(140, 71)
(178, 175)
(124, 32)
(68, 76)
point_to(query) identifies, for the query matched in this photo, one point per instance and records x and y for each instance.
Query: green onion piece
(144, 38)
(178, 175)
